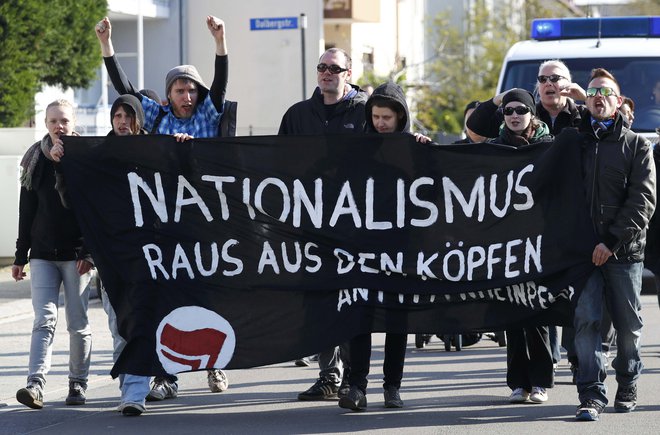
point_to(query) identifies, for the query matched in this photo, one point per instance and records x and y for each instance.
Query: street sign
(277, 23)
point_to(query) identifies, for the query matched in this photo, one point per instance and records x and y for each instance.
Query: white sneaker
(519, 395)
(539, 395)
(217, 380)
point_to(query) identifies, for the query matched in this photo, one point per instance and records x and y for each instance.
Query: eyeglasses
(554, 78)
(520, 110)
(334, 69)
(604, 91)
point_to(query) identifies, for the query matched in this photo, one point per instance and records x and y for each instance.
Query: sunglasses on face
(334, 69)
(520, 110)
(554, 78)
(604, 91)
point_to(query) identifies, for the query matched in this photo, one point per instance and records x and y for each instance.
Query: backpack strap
(161, 114)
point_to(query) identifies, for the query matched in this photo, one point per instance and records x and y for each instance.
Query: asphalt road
(444, 392)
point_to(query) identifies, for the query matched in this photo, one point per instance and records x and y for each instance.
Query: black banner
(240, 252)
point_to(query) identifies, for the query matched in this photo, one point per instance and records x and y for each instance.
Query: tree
(44, 43)
(468, 61)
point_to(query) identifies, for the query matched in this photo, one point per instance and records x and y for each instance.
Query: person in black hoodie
(386, 112)
(50, 234)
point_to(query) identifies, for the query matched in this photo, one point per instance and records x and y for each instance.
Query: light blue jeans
(46, 277)
(618, 285)
(133, 388)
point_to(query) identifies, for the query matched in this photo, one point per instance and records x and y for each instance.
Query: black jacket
(46, 228)
(487, 118)
(309, 116)
(619, 179)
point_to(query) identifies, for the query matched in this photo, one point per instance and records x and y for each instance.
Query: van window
(636, 76)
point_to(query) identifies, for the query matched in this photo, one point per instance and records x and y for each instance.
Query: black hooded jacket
(388, 92)
(309, 116)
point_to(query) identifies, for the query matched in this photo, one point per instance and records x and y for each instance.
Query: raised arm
(219, 86)
(119, 80)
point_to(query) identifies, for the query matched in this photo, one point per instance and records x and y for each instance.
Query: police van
(628, 47)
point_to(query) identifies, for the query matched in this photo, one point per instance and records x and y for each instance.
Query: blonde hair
(62, 103)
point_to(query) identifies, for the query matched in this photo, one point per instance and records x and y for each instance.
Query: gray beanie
(183, 72)
(522, 96)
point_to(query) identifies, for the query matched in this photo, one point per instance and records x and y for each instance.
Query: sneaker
(392, 398)
(162, 389)
(626, 398)
(217, 380)
(76, 394)
(131, 409)
(355, 400)
(343, 389)
(303, 362)
(519, 395)
(589, 410)
(31, 396)
(538, 395)
(321, 390)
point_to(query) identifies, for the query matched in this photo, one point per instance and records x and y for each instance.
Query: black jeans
(529, 358)
(395, 354)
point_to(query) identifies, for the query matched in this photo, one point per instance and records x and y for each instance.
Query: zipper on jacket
(593, 190)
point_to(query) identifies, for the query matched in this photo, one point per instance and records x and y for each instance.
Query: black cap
(522, 96)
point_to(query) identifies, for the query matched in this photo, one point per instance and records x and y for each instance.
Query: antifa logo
(194, 338)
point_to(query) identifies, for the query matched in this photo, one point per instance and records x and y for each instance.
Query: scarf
(31, 158)
(601, 127)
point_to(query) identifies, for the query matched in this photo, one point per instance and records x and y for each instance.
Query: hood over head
(391, 93)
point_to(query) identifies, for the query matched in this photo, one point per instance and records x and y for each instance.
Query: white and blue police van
(628, 47)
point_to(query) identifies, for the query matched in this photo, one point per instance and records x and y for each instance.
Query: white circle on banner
(194, 338)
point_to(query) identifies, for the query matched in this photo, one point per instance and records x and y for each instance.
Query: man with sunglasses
(336, 107)
(556, 107)
(619, 180)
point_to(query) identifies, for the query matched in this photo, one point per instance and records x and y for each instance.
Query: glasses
(520, 110)
(554, 78)
(334, 69)
(604, 91)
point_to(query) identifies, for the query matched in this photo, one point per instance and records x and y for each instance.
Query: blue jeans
(618, 285)
(45, 279)
(134, 388)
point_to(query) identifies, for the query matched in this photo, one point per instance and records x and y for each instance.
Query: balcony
(128, 9)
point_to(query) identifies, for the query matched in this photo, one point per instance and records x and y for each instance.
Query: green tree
(44, 43)
(468, 60)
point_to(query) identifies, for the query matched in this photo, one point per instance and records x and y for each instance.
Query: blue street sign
(278, 23)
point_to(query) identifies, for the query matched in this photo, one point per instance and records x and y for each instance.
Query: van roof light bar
(603, 27)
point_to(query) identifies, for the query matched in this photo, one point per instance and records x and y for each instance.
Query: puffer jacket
(620, 184)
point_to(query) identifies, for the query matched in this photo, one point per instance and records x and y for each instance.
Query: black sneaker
(321, 390)
(343, 389)
(355, 400)
(76, 394)
(392, 398)
(162, 389)
(131, 409)
(589, 410)
(31, 396)
(626, 398)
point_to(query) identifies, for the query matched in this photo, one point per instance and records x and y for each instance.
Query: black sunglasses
(334, 69)
(554, 78)
(520, 110)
